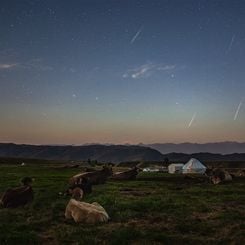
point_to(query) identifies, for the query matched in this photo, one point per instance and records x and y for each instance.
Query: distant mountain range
(111, 153)
(190, 148)
(206, 157)
(101, 153)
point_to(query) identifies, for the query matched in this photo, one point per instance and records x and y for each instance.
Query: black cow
(18, 196)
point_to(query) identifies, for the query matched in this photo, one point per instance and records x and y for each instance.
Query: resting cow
(126, 175)
(82, 212)
(242, 172)
(94, 178)
(18, 196)
(81, 183)
(219, 176)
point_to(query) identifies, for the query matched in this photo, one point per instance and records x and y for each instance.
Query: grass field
(154, 209)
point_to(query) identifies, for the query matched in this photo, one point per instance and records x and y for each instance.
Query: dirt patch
(230, 206)
(48, 238)
(155, 223)
(205, 216)
(217, 211)
(152, 222)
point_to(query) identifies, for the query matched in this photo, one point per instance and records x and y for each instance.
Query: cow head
(138, 169)
(26, 181)
(215, 179)
(77, 193)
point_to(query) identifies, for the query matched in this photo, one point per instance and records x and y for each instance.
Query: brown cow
(126, 175)
(94, 178)
(77, 193)
(18, 196)
(81, 183)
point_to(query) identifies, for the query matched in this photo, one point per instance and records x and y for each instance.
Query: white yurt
(194, 166)
(175, 168)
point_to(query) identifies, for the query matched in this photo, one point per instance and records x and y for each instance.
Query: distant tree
(166, 161)
(94, 163)
(89, 161)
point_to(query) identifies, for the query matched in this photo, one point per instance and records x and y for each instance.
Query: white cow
(83, 212)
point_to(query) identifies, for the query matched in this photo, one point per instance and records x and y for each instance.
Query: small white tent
(175, 168)
(194, 166)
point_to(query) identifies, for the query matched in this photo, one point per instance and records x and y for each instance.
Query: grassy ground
(154, 209)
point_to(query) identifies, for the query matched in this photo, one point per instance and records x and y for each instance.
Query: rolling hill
(190, 148)
(107, 153)
(101, 153)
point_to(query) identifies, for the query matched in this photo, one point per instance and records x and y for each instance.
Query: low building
(175, 168)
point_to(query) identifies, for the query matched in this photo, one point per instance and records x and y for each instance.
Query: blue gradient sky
(74, 72)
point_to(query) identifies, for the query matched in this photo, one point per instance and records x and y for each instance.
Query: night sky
(122, 71)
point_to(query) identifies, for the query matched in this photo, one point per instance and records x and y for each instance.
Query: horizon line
(136, 144)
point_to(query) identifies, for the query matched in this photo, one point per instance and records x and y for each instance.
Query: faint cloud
(139, 72)
(166, 67)
(7, 66)
(146, 70)
(36, 64)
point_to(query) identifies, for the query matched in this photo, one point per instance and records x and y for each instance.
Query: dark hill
(205, 157)
(190, 148)
(107, 153)
(101, 153)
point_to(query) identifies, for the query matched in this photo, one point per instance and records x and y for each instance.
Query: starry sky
(122, 71)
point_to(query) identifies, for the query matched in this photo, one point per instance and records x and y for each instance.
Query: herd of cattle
(81, 184)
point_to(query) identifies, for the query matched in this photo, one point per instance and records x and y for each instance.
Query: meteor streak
(136, 35)
(192, 120)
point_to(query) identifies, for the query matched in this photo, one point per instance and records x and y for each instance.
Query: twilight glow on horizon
(131, 71)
